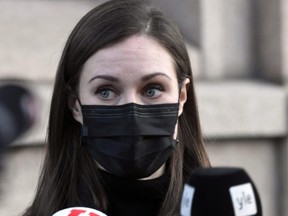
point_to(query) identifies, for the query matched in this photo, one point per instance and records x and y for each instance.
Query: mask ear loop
(74, 94)
(77, 97)
(176, 141)
(84, 129)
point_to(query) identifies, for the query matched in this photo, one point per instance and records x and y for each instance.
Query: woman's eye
(106, 93)
(153, 91)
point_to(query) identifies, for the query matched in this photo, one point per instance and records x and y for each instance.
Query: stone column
(284, 21)
(226, 38)
(284, 170)
(269, 40)
(284, 16)
(186, 13)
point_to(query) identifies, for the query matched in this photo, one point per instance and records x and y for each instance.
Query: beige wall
(242, 94)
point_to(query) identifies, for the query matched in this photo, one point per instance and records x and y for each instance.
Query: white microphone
(79, 211)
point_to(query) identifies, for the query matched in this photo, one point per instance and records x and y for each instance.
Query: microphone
(79, 211)
(17, 113)
(225, 191)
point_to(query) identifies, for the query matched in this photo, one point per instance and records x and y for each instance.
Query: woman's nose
(130, 97)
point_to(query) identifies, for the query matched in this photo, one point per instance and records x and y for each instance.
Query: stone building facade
(239, 55)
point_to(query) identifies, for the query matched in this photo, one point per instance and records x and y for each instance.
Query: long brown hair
(65, 159)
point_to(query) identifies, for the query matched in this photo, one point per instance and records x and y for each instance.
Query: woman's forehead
(133, 54)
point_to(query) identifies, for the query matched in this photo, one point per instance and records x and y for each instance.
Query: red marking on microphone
(93, 214)
(76, 212)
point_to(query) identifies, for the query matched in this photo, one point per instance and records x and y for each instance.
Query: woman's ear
(75, 108)
(183, 95)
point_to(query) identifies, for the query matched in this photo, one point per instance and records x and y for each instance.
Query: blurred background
(239, 56)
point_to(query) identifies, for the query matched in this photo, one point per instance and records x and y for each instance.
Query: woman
(123, 94)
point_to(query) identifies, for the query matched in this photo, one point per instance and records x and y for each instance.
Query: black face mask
(131, 140)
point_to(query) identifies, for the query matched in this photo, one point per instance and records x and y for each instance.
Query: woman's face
(136, 70)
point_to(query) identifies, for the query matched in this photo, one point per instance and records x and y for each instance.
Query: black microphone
(220, 191)
(79, 211)
(17, 113)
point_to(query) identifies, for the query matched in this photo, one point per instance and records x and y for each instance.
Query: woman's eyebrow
(106, 77)
(151, 76)
(115, 79)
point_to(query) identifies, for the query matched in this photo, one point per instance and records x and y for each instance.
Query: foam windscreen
(220, 191)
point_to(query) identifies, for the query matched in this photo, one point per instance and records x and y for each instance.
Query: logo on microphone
(79, 211)
(187, 199)
(243, 199)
